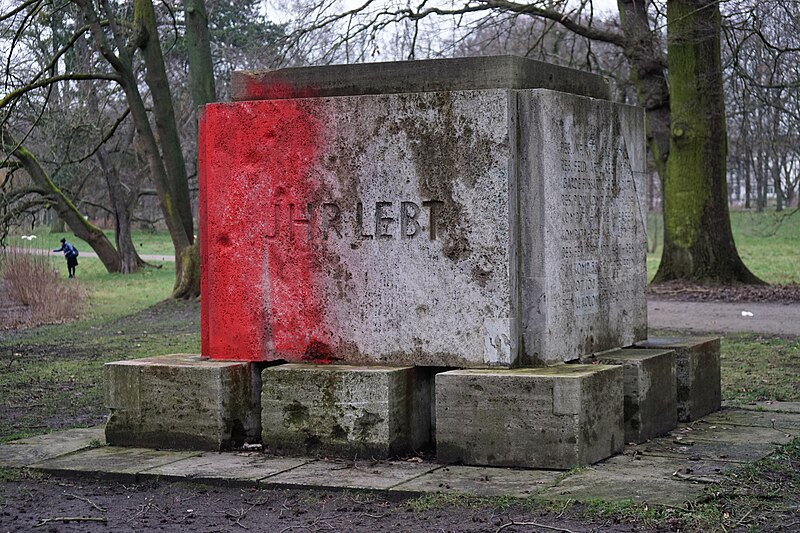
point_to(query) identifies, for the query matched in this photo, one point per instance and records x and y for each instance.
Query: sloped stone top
(457, 74)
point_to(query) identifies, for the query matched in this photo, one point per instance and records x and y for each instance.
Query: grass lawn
(768, 243)
(51, 376)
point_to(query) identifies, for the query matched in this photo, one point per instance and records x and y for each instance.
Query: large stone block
(346, 410)
(182, 402)
(556, 417)
(697, 372)
(650, 399)
(497, 227)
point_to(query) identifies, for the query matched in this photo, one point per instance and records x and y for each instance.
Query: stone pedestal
(345, 410)
(181, 402)
(557, 417)
(697, 372)
(650, 397)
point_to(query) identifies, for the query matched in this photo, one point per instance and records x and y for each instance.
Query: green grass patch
(442, 500)
(755, 497)
(767, 242)
(758, 368)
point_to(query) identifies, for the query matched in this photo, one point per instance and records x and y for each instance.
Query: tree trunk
(698, 241)
(748, 184)
(171, 151)
(81, 227)
(164, 156)
(122, 197)
(57, 224)
(643, 51)
(198, 46)
(122, 207)
(776, 179)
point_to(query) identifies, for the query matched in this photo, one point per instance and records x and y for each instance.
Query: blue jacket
(68, 249)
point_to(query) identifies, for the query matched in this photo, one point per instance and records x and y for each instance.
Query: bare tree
(685, 117)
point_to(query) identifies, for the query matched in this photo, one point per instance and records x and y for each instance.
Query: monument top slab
(466, 73)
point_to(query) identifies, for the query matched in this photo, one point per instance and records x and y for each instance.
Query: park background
(96, 138)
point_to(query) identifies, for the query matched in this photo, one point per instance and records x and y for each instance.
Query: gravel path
(725, 317)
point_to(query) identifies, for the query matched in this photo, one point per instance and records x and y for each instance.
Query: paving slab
(238, 468)
(481, 481)
(787, 422)
(779, 407)
(32, 450)
(718, 442)
(649, 479)
(669, 471)
(111, 461)
(681, 469)
(363, 474)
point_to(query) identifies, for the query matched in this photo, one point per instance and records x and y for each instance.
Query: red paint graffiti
(259, 297)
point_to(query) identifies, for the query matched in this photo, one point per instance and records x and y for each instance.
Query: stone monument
(402, 253)
(439, 220)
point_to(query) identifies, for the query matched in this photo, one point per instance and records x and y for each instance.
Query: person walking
(70, 254)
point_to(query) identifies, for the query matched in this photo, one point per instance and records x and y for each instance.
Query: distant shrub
(30, 280)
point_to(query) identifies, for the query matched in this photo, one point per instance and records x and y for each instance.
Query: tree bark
(122, 207)
(698, 241)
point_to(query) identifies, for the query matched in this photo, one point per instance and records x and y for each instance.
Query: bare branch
(13, 12)
(13, 95)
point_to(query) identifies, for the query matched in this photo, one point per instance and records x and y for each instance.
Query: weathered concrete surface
(655, 480)
(715, 440)
(181, 402)
(433, 229)
(650, 392)
(111, 461)
(434, 75)
(351, 411)
(359, 474)
(481, 481)
(697, 367)
(24, 452)
(240, 467)
(557, 417)
(735, 416)
(583, 244)
(639, 474)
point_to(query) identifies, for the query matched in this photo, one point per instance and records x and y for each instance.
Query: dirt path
(724, 317)
(146, 257)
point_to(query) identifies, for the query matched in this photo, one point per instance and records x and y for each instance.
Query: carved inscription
(587, 291)
(596, 223)
(381, 221)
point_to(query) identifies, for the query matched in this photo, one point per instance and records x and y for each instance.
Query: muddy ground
(36, 505)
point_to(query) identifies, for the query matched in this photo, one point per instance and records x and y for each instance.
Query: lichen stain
(295, 414)
(365, 424)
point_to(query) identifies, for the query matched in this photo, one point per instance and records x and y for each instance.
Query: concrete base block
(697, 372)
(555, 417)
(182, 402)
(650, 397)
(365, 411)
